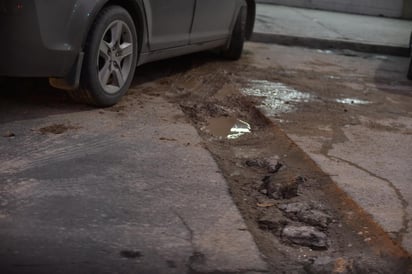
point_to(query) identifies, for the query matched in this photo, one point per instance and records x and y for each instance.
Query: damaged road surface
(111, 191)
(186, 175)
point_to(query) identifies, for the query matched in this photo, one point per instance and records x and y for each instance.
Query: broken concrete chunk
(305, 213)
(280, 187)
(305, 236)
(254, 163)
(294, 208)
(272, 221)
(272, 164)
(315, 217)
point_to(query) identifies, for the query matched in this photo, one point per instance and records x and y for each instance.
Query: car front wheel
(110, 58)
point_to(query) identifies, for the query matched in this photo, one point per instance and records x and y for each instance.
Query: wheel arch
(81, 22)
(132, 6)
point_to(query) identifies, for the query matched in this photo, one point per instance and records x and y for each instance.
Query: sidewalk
(324, 29)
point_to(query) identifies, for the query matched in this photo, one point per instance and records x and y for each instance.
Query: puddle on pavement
(279, 98)
(325, 51)
(352, 101)
(333, 77)
(227, 127)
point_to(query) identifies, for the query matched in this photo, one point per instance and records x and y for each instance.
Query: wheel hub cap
(115, 57)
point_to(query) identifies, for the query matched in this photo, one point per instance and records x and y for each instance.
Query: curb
(319, 43)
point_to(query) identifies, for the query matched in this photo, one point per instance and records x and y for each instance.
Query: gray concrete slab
(352, 116)
(290, 25)
(134, 193)
(373, 167)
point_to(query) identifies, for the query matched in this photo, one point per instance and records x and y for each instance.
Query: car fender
(82, 17)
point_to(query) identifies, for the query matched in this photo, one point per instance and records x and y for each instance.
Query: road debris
(307, 214)
(326, 264)
(272, 164)
(305, 236)
(273, 221)
(282, 185)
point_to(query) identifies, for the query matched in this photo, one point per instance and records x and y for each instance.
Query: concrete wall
(388, 8)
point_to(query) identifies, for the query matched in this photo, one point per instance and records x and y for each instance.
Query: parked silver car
(92, 47)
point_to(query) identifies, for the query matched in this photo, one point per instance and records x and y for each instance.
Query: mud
(227, 127)
(56, 129)
(320, 236)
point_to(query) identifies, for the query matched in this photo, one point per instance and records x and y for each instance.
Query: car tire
(110, 59)
(410, 59)
(237, 40)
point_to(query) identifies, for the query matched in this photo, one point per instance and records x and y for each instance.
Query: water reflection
(227, 127)
(279, 98)
(352, 101)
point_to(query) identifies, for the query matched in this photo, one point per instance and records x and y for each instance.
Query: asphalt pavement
(325, 29)
(94, 191)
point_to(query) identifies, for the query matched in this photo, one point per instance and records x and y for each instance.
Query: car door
(169, 22)
(212, 19)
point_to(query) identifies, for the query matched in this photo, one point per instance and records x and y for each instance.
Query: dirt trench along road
(288, 161)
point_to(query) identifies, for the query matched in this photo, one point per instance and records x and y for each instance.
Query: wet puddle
(352, 101)
(279, 98)
(227, 127)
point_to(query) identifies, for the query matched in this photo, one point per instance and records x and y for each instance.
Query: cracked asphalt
(356, 124)
(102, 191)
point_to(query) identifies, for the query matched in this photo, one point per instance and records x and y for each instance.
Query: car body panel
(168, 22)
(47, 37)
(209, 24)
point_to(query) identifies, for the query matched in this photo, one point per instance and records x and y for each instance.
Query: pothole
(227, 127)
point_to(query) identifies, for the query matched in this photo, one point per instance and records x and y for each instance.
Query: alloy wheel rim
(115, 56)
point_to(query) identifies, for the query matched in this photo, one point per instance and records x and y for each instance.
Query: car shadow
(31, 98)
(170, 67)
